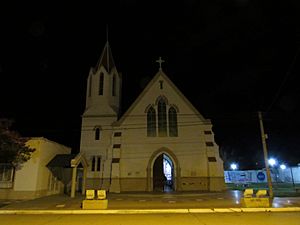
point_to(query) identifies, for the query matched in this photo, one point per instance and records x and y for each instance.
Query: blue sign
(261, 176)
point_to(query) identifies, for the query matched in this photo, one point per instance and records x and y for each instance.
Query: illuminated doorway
(163, 174)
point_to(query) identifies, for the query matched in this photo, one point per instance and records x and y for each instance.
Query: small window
(97, 133)
(207, 132)
(6, 172)
(93, 163)
(117, 134)
(115, 160)
(209, 143)
(117, 146)
(101, 83)
(114, 85)
(212, 159)
(98, 163)
(161, 84)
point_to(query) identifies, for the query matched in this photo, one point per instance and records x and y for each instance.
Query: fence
(288, 175)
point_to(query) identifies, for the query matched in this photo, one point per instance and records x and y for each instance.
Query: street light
(272, 162)
(282, 166)
(233, 166)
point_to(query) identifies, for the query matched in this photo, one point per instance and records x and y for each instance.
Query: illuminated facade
(34, 179)
(161, 143)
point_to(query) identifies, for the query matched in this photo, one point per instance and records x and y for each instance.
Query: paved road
(227, 199)
(250, 218)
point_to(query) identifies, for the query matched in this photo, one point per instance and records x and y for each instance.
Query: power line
(283, 82)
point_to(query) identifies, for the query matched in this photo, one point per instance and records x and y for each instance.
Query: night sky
(230, 58)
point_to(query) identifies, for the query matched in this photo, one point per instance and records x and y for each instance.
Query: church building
(160, 143)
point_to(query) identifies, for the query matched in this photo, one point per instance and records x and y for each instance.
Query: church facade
(161, 143)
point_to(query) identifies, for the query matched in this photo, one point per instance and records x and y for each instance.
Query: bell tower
(103, 87)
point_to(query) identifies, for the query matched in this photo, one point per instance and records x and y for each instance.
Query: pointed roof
(154, 79)
(106, 59)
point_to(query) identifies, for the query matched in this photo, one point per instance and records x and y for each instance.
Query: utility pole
(263, 138)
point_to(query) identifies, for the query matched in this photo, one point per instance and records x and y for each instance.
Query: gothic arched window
(151, 122)
(101, 83)
(90, 86)
(114, 85)
(162, 118)
(173, 129)
(97, 133)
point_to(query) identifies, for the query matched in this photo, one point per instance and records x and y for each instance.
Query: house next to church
(161, 143)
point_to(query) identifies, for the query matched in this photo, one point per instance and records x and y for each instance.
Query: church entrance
(163, 174)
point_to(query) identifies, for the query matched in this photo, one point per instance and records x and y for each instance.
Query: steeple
(106, 59)
(104, 86)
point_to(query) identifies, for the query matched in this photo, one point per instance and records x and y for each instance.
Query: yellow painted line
(150, 211)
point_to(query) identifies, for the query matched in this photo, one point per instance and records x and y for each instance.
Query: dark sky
(230, 58)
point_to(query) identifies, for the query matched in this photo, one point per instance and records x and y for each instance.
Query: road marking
(60, 206)
(172, 201)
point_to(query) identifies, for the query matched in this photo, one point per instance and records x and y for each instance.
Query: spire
(106, 58)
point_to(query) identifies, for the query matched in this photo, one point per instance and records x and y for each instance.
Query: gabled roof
(106, 59)
(154, 79)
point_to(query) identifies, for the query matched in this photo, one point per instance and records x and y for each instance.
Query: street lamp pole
(263, 137)
(292, 177)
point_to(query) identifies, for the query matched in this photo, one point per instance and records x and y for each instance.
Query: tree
(13, 148)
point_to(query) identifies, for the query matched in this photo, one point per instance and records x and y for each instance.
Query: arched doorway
(163, 174)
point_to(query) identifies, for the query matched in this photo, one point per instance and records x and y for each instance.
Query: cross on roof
(160, 61)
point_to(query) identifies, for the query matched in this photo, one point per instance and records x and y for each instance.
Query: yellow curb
(149, 211)
(201, 211)
(287, 209)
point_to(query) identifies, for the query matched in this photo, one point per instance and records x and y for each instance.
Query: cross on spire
(160, 61)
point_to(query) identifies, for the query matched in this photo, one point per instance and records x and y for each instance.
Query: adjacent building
(34, 179)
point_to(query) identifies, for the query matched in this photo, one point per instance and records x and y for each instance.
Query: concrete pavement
(126, 203)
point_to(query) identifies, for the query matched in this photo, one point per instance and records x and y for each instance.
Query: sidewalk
(229, 201)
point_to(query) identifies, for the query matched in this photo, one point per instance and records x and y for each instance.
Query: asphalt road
(250, 218)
